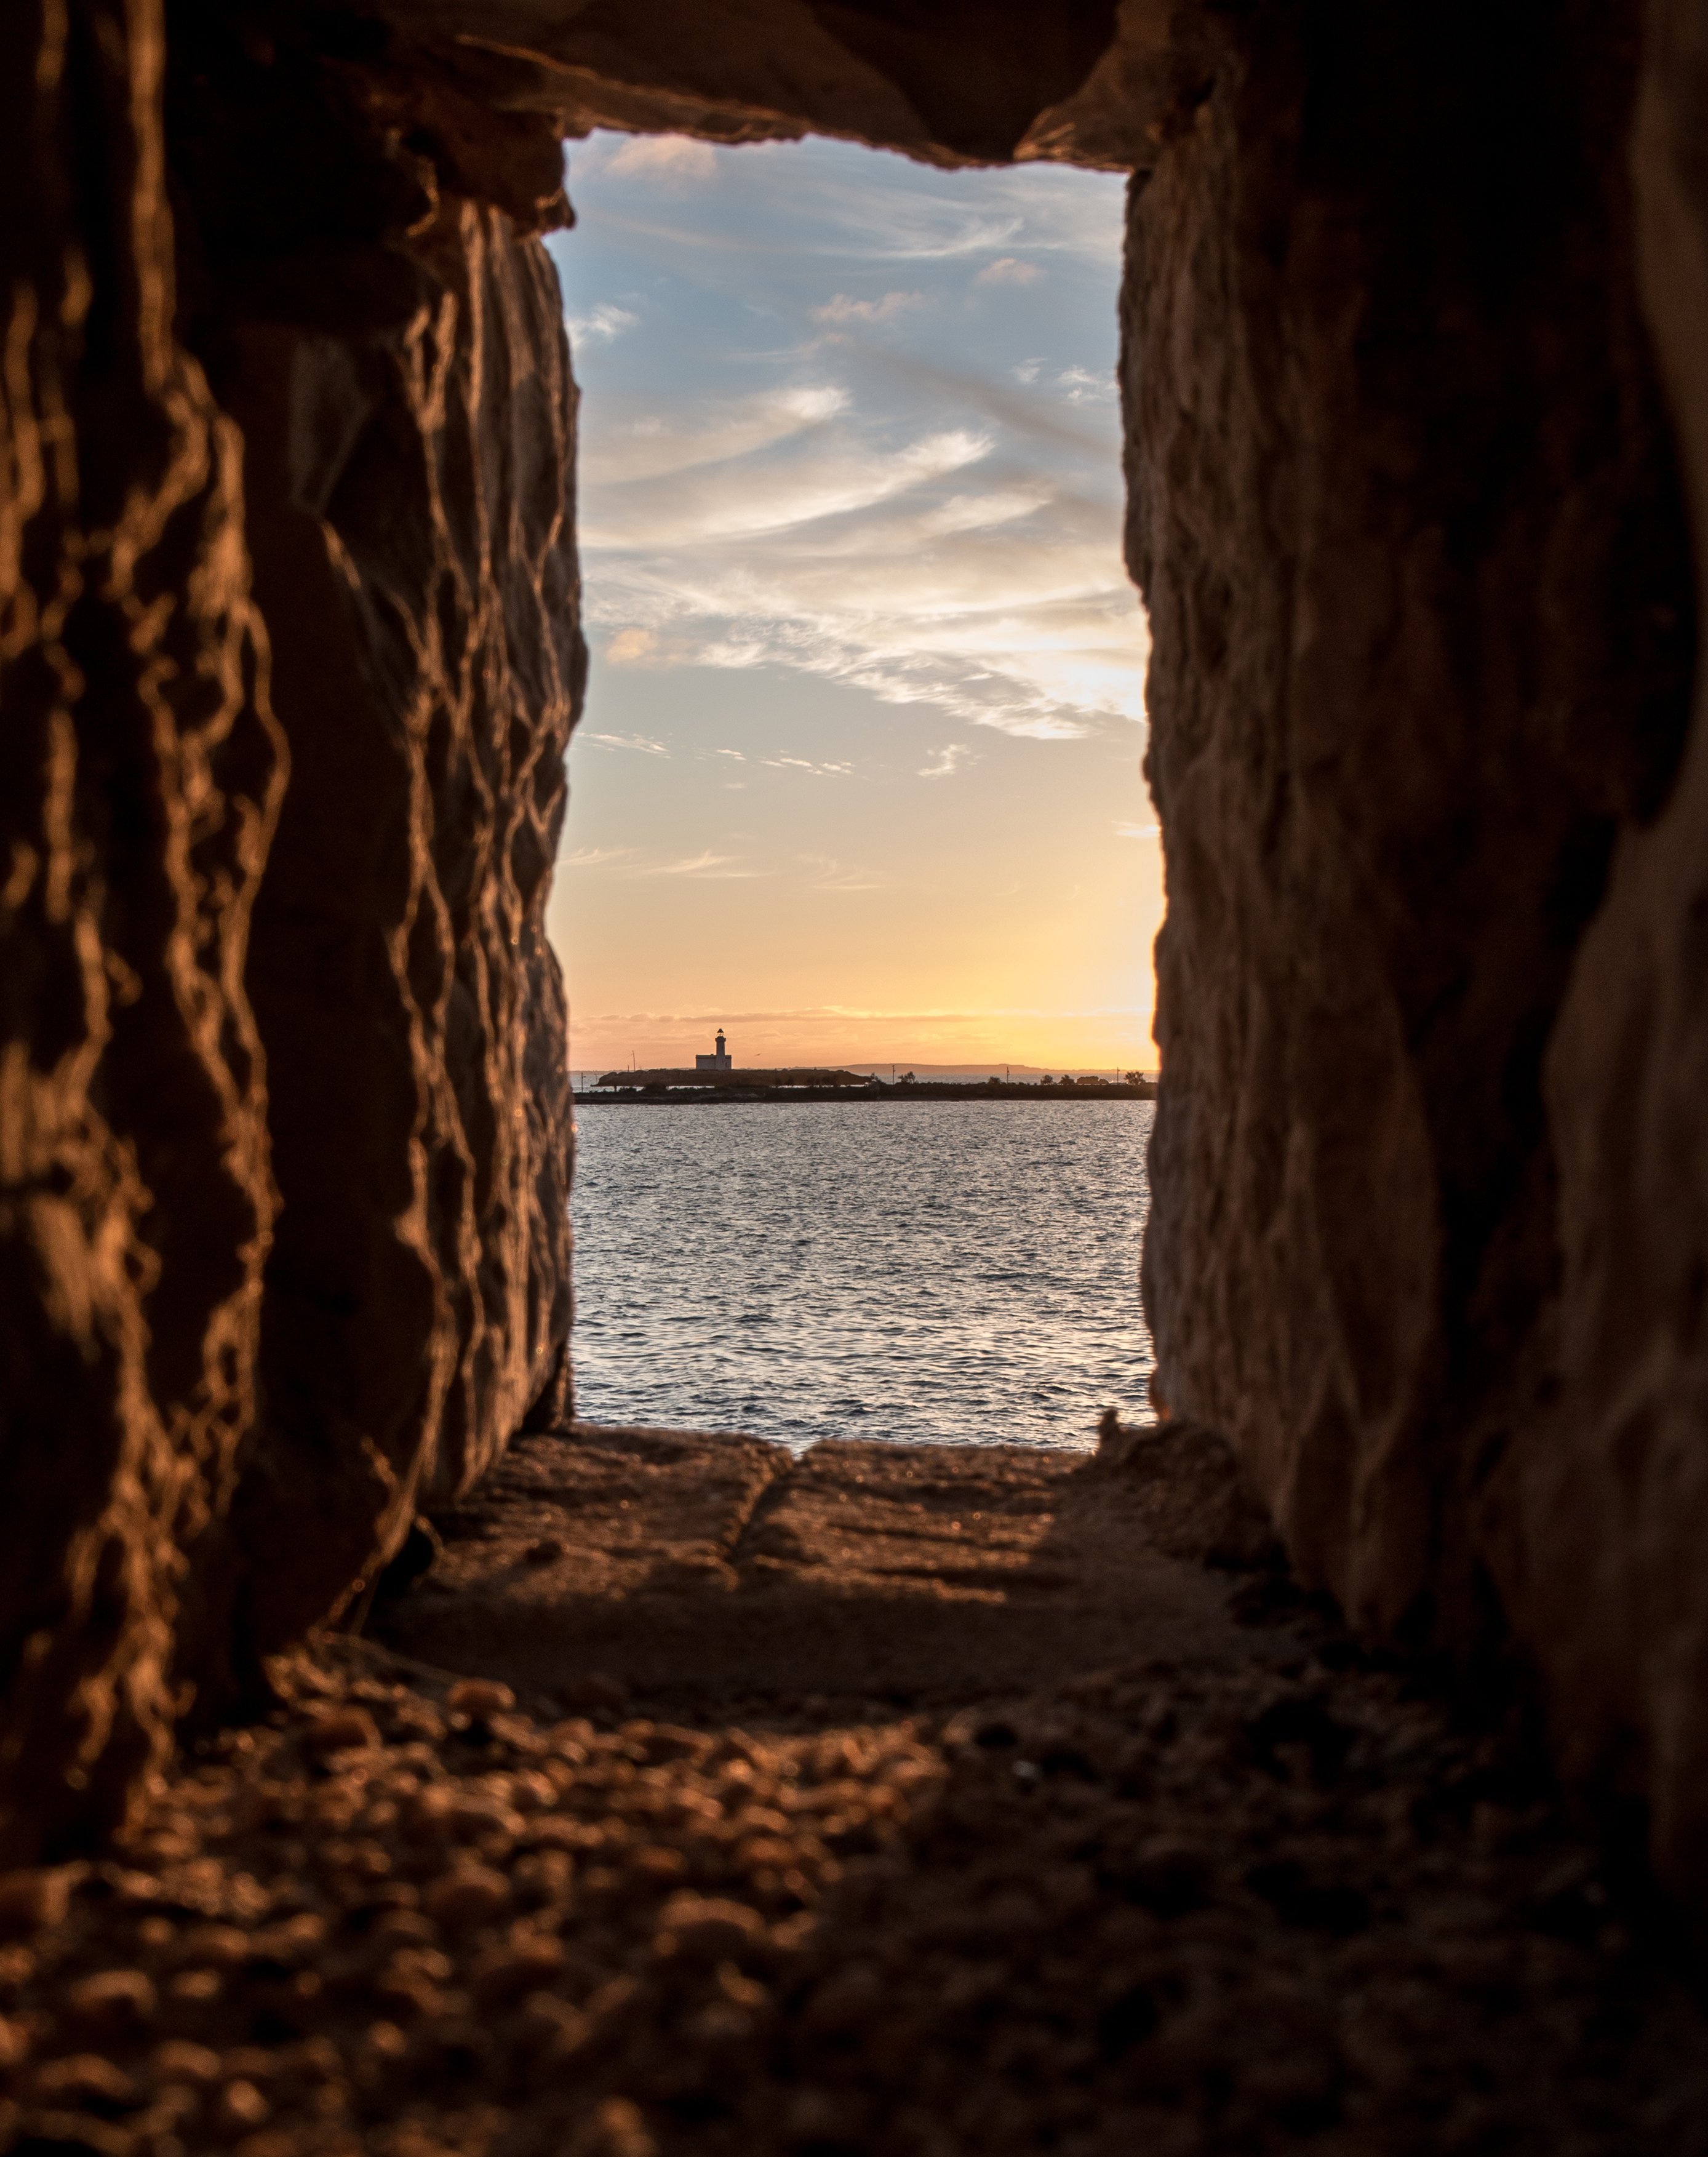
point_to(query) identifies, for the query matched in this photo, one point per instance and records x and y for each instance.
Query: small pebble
(543, 1878)
(657, 1864)
(83, 2080)
(384, 2041)
(39, 1896)
(525, 1966)
(543, 2018)
(619, 2130)
(240, 2108)
(112, 2002)
(473, 1896)
(470, 1818)
(177, 2060)
(707, 1930)
(480, 1699)
(401, 1928)
(345, 1730)
(212, 1947)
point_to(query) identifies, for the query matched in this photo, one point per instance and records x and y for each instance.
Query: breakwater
(682, 1097)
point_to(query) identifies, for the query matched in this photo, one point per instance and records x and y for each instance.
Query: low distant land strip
(704, 1088)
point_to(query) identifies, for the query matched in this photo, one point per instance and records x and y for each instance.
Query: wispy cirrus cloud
(850, 493)
(805, 764)
(1008, 269)
(695, 505)
(643, 743)
(718, 867)
(592, 857)
(843, 309)
(818, 550)
(946, 762)
(826, 873)
(903, 515)
(638, 441)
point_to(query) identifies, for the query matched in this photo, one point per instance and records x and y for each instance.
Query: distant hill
(1020, 1073)
(1017, 1071)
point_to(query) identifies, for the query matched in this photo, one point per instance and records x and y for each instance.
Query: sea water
(961, 1272)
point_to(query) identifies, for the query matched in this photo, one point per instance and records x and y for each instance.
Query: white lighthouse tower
(720, 1062)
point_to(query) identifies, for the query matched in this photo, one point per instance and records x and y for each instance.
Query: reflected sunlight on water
(962, 1272)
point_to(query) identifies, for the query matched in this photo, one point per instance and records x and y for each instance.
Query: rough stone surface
(396, 358)
(139, 772)
(1607, 1493)
(1403, 506)
(414, 554)
(954, 82)
(688, 1564)
(239, 1451)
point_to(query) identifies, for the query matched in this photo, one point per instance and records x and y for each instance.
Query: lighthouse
(720, 1062)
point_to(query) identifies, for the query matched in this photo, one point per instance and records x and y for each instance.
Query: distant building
(720, 1062)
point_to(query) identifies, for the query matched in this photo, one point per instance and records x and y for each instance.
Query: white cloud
(804, 764)
(948, 762)
(641, 742)
(1138, 831)
(663, 156)
(843, 309)
(702, 506)
(734, 652)
(600, 324)
(1084, 388)
(718, 867)
(592, 858)
(828, 874)
(1009, 270)
(859, 509)
(654, 445)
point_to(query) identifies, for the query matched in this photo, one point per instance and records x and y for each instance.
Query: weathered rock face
(1607, 1494)
(419, 583)
(140, 770)
(1403, 505)
(216, 1409)
(403, 386)
(950, 82)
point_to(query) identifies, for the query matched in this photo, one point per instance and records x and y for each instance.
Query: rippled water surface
(965, 1272)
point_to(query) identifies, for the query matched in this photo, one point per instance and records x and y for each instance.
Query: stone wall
(1607, 1494)
(140, 774)
(1403, 503)
(415, 559)
(285, 1117)
(394, 352)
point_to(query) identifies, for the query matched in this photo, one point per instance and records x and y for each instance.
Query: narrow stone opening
(860, 773)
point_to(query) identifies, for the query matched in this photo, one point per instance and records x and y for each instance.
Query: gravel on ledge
(1162, 1909)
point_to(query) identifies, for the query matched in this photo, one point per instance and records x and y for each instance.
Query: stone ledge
(689, 1566)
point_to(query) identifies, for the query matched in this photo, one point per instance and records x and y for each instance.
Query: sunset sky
(859, 775)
